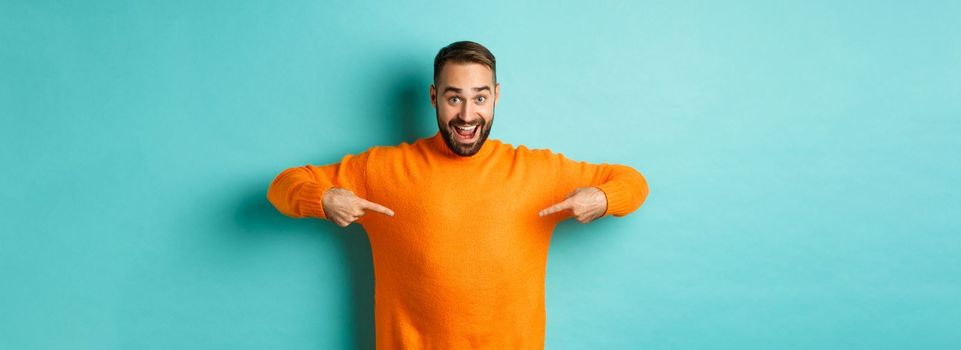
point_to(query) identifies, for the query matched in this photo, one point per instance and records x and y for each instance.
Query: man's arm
(581, 185)
(299, 191)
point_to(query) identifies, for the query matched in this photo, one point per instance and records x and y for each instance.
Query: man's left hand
(586, 203)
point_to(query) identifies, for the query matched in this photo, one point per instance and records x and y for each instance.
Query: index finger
(566, 204)
(366, 204)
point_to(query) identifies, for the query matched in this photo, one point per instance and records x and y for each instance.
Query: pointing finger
(377, 207)
(566, 204)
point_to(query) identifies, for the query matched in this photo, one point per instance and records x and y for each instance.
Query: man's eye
(454, 99)
(481, 98)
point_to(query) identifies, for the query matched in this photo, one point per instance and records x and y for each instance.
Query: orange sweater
(462, 262)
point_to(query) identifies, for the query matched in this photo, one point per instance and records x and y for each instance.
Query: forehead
(466, 74)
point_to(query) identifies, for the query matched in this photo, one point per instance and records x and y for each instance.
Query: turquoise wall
(803, 158)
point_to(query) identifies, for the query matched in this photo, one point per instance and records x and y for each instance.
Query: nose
(468, 113)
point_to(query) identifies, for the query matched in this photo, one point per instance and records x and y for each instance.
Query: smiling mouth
(466, 133)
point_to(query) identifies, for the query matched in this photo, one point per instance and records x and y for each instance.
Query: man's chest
(463, 195)
(489, 221)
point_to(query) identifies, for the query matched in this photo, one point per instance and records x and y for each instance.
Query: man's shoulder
(422, 145)
(399, 148)
(522, 150)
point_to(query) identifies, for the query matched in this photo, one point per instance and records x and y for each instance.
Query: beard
(459, 148)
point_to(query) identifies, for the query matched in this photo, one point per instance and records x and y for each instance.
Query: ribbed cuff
(309, 199)
(618, 198)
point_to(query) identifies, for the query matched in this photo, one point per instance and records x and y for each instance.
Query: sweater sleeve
(298, 191)
(625, 188)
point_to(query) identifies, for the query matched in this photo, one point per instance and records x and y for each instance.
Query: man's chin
(463, 149)
(466, 149)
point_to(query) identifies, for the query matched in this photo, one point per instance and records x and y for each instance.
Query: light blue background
(803, 159)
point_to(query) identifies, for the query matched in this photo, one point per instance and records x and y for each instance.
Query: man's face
(464, 99)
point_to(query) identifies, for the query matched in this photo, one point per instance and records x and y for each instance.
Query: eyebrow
(459, 90)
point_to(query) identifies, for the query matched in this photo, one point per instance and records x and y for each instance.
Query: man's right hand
(342, 207)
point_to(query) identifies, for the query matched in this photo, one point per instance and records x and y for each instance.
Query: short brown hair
(464, 52)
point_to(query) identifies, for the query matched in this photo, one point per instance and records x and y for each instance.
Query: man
(459, 225)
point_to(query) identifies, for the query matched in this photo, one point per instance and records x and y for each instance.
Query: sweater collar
(438, 144)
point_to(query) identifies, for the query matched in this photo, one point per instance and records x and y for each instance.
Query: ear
(497, 92)
(433, 96)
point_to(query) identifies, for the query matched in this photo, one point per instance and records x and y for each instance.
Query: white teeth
(467, 129)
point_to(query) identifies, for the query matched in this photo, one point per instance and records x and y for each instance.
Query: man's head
(464, 93)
